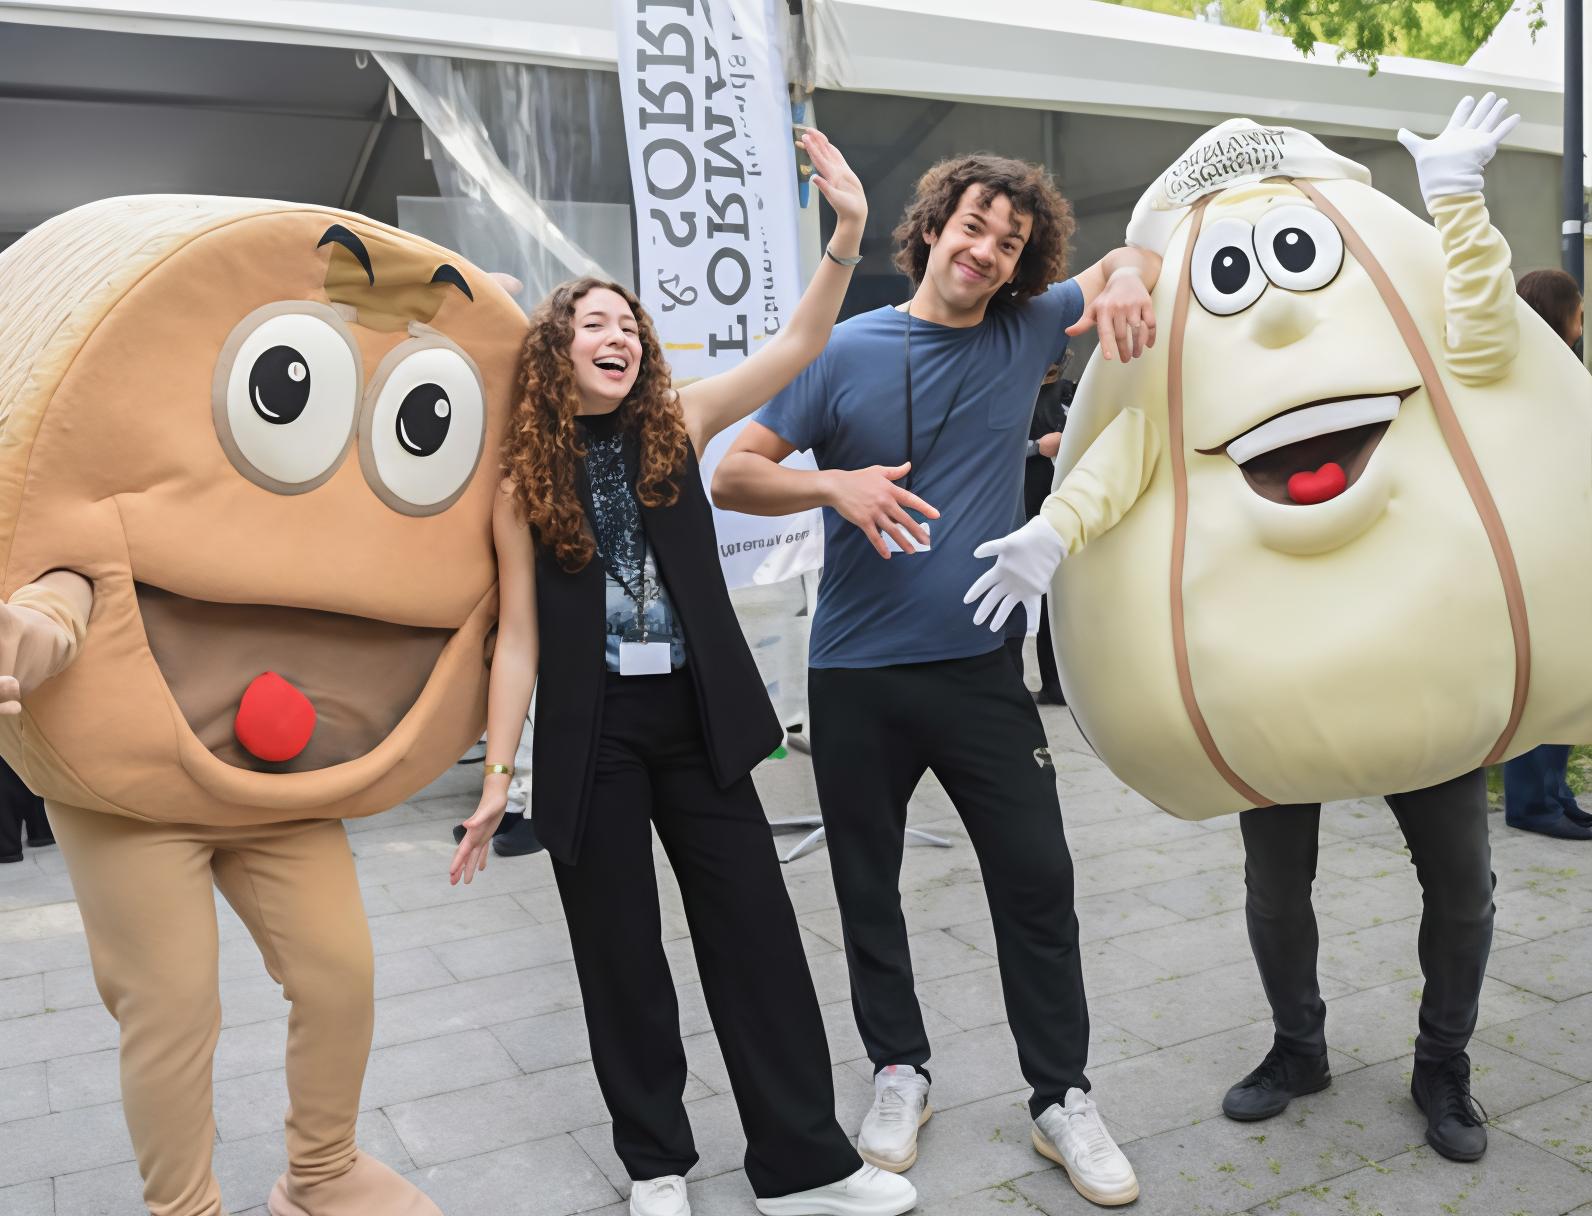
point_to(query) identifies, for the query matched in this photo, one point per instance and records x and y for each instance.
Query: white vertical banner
(708, 127)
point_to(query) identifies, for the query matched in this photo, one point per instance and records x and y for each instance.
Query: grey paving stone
(1513, 1179)
(1363, 859)
(1379, 1023)
(69, 988)
(1202, 894)
(38, 921)
(1128, 868)
(1138, 831)
(90, 1079)
(1117, 912)
(1002, 1200)
(969, 1066)
(447, 923)
(715, 1127)
(40, 1147)
(24, 1093)
(503, 876)
(110, 1190)
(21, 996)
(1214, 1168)
(528, 945)
(46, 1035)
(1191, 1007)
(48, 954)
(489, 1117)
(549, 1177)
(970, 1148)
(1367, 902)
(251, 1048)
(1560, 1037)
(549, 1040)
(1561, 1124)
(1534, 914)
(473, 1004)
(1559, 967)
(1177, 1086)
(28, 1199)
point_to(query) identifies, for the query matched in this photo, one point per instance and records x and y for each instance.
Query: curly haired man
(918, 416)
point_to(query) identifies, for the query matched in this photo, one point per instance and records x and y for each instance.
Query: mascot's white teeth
(1311, 422)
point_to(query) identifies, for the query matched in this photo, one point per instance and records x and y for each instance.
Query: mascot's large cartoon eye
(423, 426)
(285, 394)
(1227, 277)
(1300, 248)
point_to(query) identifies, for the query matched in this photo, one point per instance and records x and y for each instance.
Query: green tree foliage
(1364, 30)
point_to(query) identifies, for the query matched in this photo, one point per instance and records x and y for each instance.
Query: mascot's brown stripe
(1174, 406)
(1464, 460)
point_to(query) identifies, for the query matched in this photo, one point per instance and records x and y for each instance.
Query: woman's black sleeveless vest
(738, 722)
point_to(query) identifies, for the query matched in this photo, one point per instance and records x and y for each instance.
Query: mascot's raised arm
(1321, 542)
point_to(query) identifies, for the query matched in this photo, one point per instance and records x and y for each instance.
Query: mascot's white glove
(1451, 163)
(1025, 561)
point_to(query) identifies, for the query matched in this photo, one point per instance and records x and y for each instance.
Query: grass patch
(1580, 777)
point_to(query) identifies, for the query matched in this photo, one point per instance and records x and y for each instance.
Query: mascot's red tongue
(1326, 482)
(275, 720)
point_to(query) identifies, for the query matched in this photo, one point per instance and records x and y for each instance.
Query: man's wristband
(840, 261)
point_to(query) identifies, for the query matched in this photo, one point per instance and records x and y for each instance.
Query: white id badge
(644, 659)
(917, 545)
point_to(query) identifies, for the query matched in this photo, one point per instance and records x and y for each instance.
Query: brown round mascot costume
(247, 459)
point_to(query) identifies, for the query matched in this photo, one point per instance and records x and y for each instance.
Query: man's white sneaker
(868, 1192)
(659, 1197)
(1072, 1134)
(889, 1135)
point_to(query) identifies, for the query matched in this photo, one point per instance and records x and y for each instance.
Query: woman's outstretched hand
(470, 857)
(835, 180)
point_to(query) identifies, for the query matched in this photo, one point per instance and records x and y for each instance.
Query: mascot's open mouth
(1312, 453)
(286, 690)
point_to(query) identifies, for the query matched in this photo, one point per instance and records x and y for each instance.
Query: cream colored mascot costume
(246, 470)
(1333, 538)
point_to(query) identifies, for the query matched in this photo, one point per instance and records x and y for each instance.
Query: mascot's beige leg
(294, 886)
(144, 890)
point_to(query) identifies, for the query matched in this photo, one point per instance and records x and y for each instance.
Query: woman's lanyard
(956, 399)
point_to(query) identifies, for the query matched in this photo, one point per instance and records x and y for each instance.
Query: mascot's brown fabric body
(265, 434)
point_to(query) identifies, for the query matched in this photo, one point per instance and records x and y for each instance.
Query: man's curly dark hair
(1031, 192)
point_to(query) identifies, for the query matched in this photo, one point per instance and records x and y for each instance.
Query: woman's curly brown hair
(1032, 193)
(544, 442)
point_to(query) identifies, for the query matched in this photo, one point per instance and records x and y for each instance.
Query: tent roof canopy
(1074, 55)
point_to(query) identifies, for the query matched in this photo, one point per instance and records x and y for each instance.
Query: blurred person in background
(1537, 795)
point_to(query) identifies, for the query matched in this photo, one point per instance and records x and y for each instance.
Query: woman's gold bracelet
(506, 769)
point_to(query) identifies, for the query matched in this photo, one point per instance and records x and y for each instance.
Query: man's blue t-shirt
(849, 407)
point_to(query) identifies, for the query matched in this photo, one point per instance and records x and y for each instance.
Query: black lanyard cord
(956, 399)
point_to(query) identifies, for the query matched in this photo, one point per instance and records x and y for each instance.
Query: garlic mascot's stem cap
(1239, 150)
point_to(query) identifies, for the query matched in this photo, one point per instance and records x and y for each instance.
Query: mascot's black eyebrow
(450, 274)
(338, 235)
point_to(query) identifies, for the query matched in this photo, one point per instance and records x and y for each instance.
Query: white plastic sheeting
(496, 130)
(1087, 57)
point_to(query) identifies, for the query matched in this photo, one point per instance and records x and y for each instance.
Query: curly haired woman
(605, 541)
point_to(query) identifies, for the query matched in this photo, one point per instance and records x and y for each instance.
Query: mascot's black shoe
(518, 841)
(1456, 1125)
(1282, 1076)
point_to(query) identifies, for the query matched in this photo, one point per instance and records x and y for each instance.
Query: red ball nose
(275, 720)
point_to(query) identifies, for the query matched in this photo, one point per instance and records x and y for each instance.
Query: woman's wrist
(846, 241)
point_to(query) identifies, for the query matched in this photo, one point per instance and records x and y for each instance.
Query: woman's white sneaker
(868, 1192)
(889, 1135)
(659, 1197)
(1072, 1134)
